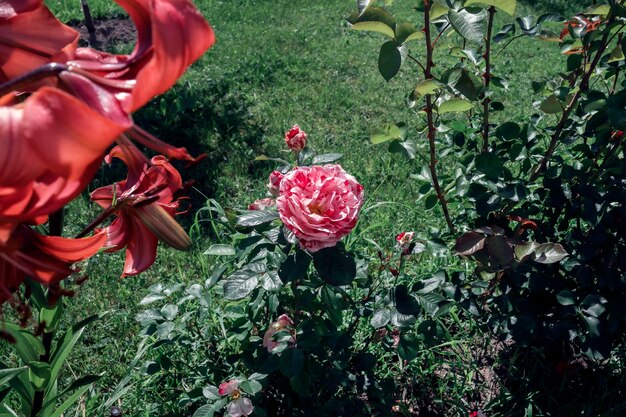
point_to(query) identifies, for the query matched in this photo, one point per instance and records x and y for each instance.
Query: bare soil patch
(110, 32)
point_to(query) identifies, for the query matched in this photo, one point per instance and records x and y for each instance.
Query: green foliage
(541, 196)
(246, 88)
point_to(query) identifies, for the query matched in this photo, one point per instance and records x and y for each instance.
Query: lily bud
(163, 225)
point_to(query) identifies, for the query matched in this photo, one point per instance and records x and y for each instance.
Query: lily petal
(171, 35)
(30, 36)
(46, 259)
(141, 248)
(70, 250)
(180, 35)
(51, 146)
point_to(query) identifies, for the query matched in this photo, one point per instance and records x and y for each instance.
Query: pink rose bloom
(404, 240)
(274, 184)
(240, 407)
(262, 204)
(319, 204)
(283, 322)
(295, 138)
(228, 388)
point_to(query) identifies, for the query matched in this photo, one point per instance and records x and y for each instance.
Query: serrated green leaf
(406, 32)
(335, 265)
(169, 311)
(220, 250)
(565, 298)
(409, 347)
(251, 387)
(524, 251)
(427, 87)
(389, 132)
(430, 202)
(490, 165)
(271, 281)
(438, 10)
(507, 6)
(362, 5)
(551, 105)
(256, 218)
(549, 253)
(470, 23)
(405, 303)
(390, 59)
(326, 158)
(240, 284)
(374, 19)
(333, 301)
(454, 105)
(593, 305)
(151, 298)
(295, 266)
(616, 54)
(407, 148)
(380, 317)
(469, 243)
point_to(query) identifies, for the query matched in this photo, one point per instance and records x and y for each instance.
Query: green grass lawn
(276, 63)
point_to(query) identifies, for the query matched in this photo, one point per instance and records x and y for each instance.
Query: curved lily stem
(18, 83)
(55, 227)
(97, 221)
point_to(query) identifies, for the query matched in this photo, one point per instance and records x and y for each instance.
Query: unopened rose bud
(274, 184)
(404, 240)
(295, 138)
(262, 204)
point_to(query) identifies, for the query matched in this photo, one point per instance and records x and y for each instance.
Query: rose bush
(319, 204)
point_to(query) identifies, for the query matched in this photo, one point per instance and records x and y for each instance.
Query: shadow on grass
(565, 8)
(212, 119)
(551, 384)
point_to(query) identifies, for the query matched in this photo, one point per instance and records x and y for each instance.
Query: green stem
(487, 79)
(584, 85)
(431, 125)
(55, 227)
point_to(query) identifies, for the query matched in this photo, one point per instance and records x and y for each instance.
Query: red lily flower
(144, 204)
(46, 259)
(172, 34)
(63, 132)
(30, 36)
(48, 154)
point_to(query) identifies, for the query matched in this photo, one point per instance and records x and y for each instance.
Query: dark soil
(110, 33)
